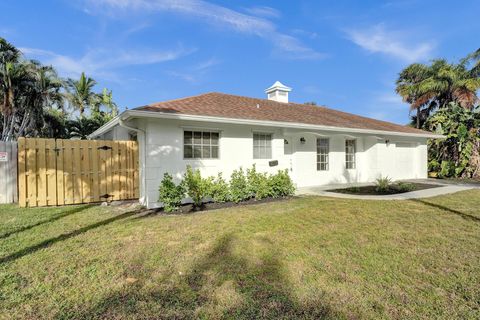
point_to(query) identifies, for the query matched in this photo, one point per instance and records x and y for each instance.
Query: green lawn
(307, 257)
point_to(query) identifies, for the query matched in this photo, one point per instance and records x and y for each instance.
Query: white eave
(293, 125)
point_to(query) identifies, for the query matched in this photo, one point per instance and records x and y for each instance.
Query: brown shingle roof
(230, 106)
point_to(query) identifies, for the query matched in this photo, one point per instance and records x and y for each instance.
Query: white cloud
(102, 62)
(379, 40)
(264, 11)
(195, 74)
(213, 14)
(204, 65)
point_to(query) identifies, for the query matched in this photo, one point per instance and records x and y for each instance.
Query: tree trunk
(418, 118)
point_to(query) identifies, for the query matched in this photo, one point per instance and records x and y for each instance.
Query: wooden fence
(8, 172)
(60, 172)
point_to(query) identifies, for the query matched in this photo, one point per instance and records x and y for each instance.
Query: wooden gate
(60, 172)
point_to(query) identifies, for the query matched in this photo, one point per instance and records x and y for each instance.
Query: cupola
(278, 92)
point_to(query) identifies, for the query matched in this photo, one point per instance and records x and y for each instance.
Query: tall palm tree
(80, 93)
(408, 86)
(43, 94)
(26, 89)
(107, 101)
(9, 57)
(429, 87)
(474, 60)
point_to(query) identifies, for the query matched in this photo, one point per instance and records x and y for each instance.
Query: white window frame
(323, 151)
(263, 143)
(350, 157)
(203, 145)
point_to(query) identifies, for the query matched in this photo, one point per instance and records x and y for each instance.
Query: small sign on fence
(3, 156)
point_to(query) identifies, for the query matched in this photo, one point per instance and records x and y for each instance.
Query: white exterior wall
(375, 156)
(165, 152)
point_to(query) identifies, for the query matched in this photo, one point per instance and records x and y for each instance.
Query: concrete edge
(427, 193)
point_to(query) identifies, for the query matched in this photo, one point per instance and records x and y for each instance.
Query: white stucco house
(218, 132)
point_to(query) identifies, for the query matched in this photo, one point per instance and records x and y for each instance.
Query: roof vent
(278, 92)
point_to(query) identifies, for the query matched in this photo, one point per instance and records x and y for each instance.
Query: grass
(312, 257)
(460, 180)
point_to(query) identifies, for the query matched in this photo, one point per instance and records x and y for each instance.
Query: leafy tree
(55, 124)
(26, 89)
(430, 87)
(81, 127)
(106, 99)
(458, 154)
(32, 98)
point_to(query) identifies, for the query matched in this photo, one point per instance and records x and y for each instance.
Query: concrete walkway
(444, 188)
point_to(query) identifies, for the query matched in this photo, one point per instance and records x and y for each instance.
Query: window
(200, 145)
(323, 148)
(350, 154)
(262, 146)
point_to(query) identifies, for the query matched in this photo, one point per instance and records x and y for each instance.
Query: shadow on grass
(62, 237)
(221, 285)
(461, 214)
(54, 218)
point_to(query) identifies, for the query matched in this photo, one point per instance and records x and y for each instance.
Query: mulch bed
(189, 208)
(370, 190)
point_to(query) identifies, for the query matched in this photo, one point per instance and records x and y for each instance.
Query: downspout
(143, 163)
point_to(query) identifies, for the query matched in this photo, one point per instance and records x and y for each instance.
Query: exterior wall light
(302, 140)
(285, 141)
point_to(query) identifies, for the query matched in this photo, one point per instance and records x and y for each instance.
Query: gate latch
(104, 148)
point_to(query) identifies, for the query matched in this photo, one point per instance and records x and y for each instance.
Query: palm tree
(43, 94)
(408, 86)
(107, 101)
(430, 87)
(80, 93)
(27, 89)
(473, 58)
(49, 85)
(9, 57)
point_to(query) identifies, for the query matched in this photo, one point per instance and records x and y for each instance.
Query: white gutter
(294, 125)
(143, 163)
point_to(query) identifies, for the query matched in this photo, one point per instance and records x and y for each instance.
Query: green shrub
(405, 186)
(196, 187)
(257, 184)
(382, 185)
(281, 185)
(447, 169)
(239, 186)
(434, 166)
(171, 194)
(220, 190)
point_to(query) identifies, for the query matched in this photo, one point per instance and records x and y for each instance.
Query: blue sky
(342, 54)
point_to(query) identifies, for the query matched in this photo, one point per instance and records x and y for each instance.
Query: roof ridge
(230, 105)
(173, 100)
